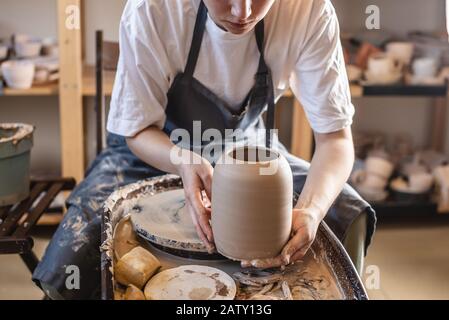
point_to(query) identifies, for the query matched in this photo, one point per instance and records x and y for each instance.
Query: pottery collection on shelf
(373, 179)
(28, 60)
(407, 62)
(245, 224)
(404, 175)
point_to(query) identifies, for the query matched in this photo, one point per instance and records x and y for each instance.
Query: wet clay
(15, 132)
(308, 279)
(191, 282)
(252, 192)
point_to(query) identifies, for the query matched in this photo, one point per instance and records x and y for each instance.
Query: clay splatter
(200, 293)
(74, 235)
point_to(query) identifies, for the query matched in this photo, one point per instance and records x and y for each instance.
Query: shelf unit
(88, 86)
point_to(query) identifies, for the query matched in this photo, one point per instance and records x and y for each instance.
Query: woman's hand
(196, 174)
(304, 227)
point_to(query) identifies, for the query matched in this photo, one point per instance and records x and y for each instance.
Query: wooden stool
(17, 221)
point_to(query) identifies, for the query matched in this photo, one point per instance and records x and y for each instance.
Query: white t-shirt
(302, 49)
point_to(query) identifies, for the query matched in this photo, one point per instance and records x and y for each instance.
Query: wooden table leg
(30, 260)
(70, 90)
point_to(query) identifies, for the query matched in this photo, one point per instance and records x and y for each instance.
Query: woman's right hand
(196, 174)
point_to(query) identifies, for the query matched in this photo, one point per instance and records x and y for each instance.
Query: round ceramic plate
(163, 220)
(191, 283)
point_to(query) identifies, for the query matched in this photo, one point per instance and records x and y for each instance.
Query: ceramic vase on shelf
(252, 192)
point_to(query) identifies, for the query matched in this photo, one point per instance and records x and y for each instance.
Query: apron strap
(264, 80)
(197, 39)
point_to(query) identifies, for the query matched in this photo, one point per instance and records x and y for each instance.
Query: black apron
(189, 100)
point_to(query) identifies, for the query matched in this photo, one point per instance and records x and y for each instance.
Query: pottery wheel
(191, 283)
(163, 220)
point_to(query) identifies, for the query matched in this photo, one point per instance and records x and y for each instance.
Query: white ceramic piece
(191, 283)
(354, 73)
(3, 52)
(402, 51)
(28, 49)
(363, 178)
(425, 67)
(18, 74)
(379, 166)
(374, 195)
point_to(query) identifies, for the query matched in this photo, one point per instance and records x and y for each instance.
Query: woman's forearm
(153, 146)
(330, 168)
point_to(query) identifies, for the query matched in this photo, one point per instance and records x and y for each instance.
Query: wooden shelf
(405, 90)
(41, 90)
(53, 88)
(392, 207)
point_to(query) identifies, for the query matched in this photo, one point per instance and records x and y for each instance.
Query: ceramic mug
(373, 195)
(420, 182)
(379, 166)
(370, 181)
(401, 51)
(382, 65)
(426, 67)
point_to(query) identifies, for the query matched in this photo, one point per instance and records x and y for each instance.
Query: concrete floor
(412, 259)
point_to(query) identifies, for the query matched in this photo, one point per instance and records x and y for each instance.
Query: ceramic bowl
(387, 79)
(372, 195)
(41, 76)
(3, 52)
(402, 51)
(402, 191)
(354, 73)
(50, 47)
(28, 49)
(18, 74)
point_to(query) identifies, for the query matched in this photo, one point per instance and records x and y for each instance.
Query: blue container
(16, 141)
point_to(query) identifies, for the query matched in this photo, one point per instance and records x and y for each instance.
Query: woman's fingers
(263, 263)
(206, 179)
(293, 251)
(297, 245)
(202, 214)
(210, 247)
(298, 255)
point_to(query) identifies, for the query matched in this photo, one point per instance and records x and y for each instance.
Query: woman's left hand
(304, 227)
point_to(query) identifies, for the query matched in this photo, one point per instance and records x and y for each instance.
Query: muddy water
(310, 279)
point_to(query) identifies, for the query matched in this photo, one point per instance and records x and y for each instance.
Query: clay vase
(252, 190)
